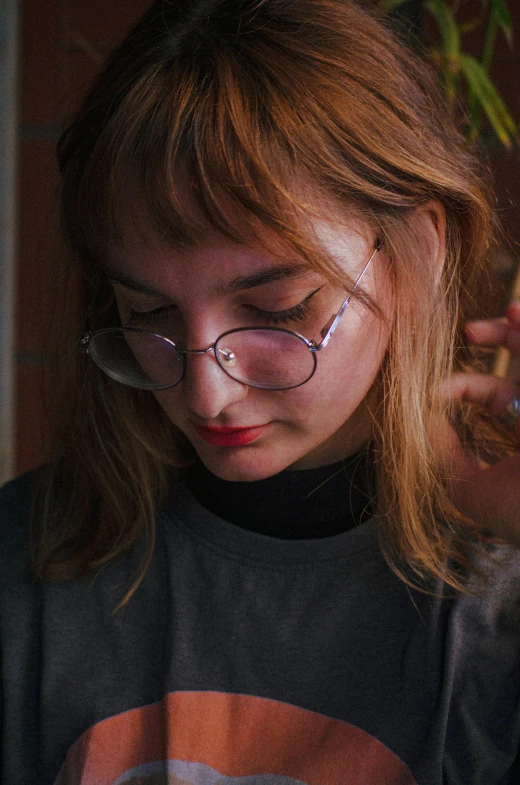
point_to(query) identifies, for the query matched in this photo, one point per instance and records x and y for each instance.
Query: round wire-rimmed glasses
(267, 358)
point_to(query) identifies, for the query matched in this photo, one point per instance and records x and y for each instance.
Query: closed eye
(145, 318)
(296, 313)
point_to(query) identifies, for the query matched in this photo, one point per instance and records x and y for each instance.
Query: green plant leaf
(390, 5)
(500, 10)
(469, 26)
(489, 99)
(447, 25)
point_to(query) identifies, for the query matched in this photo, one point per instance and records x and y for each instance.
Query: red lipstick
(230, 437)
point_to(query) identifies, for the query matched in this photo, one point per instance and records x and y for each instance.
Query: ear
(430, 220)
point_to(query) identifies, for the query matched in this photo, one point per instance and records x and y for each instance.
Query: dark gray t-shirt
(246, 660)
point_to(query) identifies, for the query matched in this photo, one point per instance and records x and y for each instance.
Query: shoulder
(16, 502)
(492, 599)
(481, 662)
(483, 635)
(16, 492)
(16, 499)
(499, 597)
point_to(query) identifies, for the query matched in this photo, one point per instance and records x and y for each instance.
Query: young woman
(266, 548)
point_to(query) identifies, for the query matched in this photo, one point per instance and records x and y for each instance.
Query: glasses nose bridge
(224, 353)
(196, 351)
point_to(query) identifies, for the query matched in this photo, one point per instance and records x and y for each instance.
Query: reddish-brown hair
(259, 113)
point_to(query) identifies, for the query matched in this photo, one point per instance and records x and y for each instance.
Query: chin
(237, 465)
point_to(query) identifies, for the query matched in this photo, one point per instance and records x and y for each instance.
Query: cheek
(340, 385)
(347, 369)
(169, 401)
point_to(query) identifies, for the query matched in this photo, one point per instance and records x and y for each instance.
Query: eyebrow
(235, 285)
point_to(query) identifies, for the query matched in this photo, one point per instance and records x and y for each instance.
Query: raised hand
(489, 494)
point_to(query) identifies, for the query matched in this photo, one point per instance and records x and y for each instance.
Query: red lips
(230, 437)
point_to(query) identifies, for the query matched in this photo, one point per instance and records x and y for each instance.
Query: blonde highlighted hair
(256, 112)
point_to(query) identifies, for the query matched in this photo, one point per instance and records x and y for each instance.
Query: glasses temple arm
(328, 332)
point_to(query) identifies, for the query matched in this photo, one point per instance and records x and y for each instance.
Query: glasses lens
(136, 358)
(271, 359)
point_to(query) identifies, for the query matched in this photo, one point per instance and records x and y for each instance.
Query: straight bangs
(189, 153)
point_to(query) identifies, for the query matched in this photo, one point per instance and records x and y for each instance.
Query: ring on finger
(511, 413)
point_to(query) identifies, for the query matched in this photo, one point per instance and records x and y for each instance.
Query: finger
(513, 314)
(490, 391)
(497, 332)
(488, 332)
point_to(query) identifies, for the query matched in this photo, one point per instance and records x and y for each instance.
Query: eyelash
(274, 318)
(145, 318)
(295, 314)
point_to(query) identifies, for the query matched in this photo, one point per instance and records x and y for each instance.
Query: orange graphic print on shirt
(213, 738)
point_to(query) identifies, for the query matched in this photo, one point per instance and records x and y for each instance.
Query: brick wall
(63, 45)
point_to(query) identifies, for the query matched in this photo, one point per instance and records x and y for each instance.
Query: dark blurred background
(58, 46)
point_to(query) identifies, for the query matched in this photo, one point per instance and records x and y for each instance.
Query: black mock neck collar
(307, 504)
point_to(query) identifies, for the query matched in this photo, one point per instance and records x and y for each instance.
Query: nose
(206, 389)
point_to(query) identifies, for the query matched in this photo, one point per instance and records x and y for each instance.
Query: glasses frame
(326, 334)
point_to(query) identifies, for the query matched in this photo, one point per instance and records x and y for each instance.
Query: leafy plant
(466, 79)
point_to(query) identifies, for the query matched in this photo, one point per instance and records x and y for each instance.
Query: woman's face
(195, 295)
